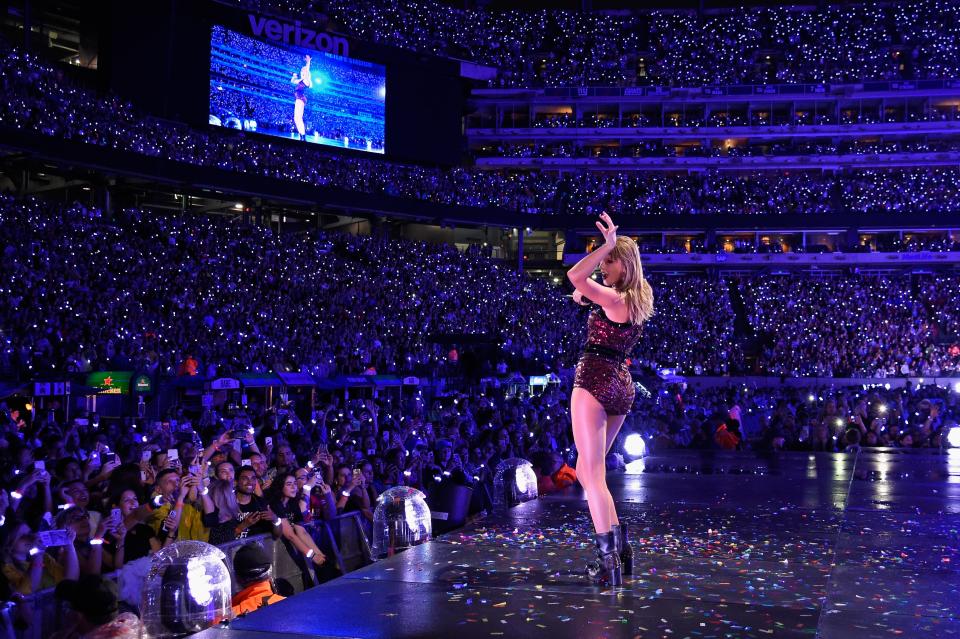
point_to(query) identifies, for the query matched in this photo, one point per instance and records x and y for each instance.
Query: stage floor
(727, 545)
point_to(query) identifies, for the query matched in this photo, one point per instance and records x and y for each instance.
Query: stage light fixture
(953, 437)
(634, 446)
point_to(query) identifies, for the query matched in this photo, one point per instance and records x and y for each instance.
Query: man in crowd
(253, 572)
(255, 515)
(175, 516)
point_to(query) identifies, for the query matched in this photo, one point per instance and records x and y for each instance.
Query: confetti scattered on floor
(725, 546)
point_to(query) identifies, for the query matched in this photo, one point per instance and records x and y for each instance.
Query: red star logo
(108, 381)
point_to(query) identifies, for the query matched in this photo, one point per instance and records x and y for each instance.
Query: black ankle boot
(624, 549)
(606, 570)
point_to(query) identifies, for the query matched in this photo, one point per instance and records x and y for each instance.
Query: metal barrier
(347, 538)
(342, 539)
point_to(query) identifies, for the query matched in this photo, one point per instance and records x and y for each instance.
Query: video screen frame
(296, 93)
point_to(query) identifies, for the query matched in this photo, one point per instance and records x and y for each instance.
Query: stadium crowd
(696, 117)
(855, 326)
(749, 45)
(663, 149)
(146, 291)
(805, 418)
(39, 98)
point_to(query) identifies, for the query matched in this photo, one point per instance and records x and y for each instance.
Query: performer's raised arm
(579, 274)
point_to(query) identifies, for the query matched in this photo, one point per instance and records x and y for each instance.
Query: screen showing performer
(296, 93)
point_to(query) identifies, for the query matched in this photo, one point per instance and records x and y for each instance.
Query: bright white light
(956, 387)
(810, 398)
(953, 437)
(410, 515)
(526, 481)
(199, 583)
(634, 445)
(882, 408)
(636, 467)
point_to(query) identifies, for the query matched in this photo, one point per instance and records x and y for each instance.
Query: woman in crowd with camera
(351, 493)
(29, 568)
(292, 505)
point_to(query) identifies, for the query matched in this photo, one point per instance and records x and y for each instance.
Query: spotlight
(953, 437)
(956, 387)
(634, 445)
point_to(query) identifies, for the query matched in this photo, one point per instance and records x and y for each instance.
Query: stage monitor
(296, 93)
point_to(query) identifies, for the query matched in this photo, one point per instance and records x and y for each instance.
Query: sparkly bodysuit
(602, 368)
(301, 91)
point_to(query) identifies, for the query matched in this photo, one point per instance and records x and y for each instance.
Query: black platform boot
(606, 570)
(624, 549)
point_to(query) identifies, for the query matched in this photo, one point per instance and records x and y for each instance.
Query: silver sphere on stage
(187, 590)
(400, 521)
(514, 482)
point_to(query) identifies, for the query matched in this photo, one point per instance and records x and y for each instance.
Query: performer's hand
(580, 299)
(607, 228)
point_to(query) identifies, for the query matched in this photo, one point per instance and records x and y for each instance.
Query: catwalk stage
(856, 545)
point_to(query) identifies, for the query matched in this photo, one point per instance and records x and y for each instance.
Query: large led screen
(296, 93)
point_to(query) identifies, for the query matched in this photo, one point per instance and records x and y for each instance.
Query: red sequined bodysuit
(300, 91)
(602, 368)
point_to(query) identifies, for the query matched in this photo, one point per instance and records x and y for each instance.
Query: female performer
(304, 81)
(603, 389)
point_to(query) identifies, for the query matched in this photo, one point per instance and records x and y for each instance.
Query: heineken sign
(142, 384)
(110, 382)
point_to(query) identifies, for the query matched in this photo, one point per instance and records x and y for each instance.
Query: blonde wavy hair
(636, 290)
